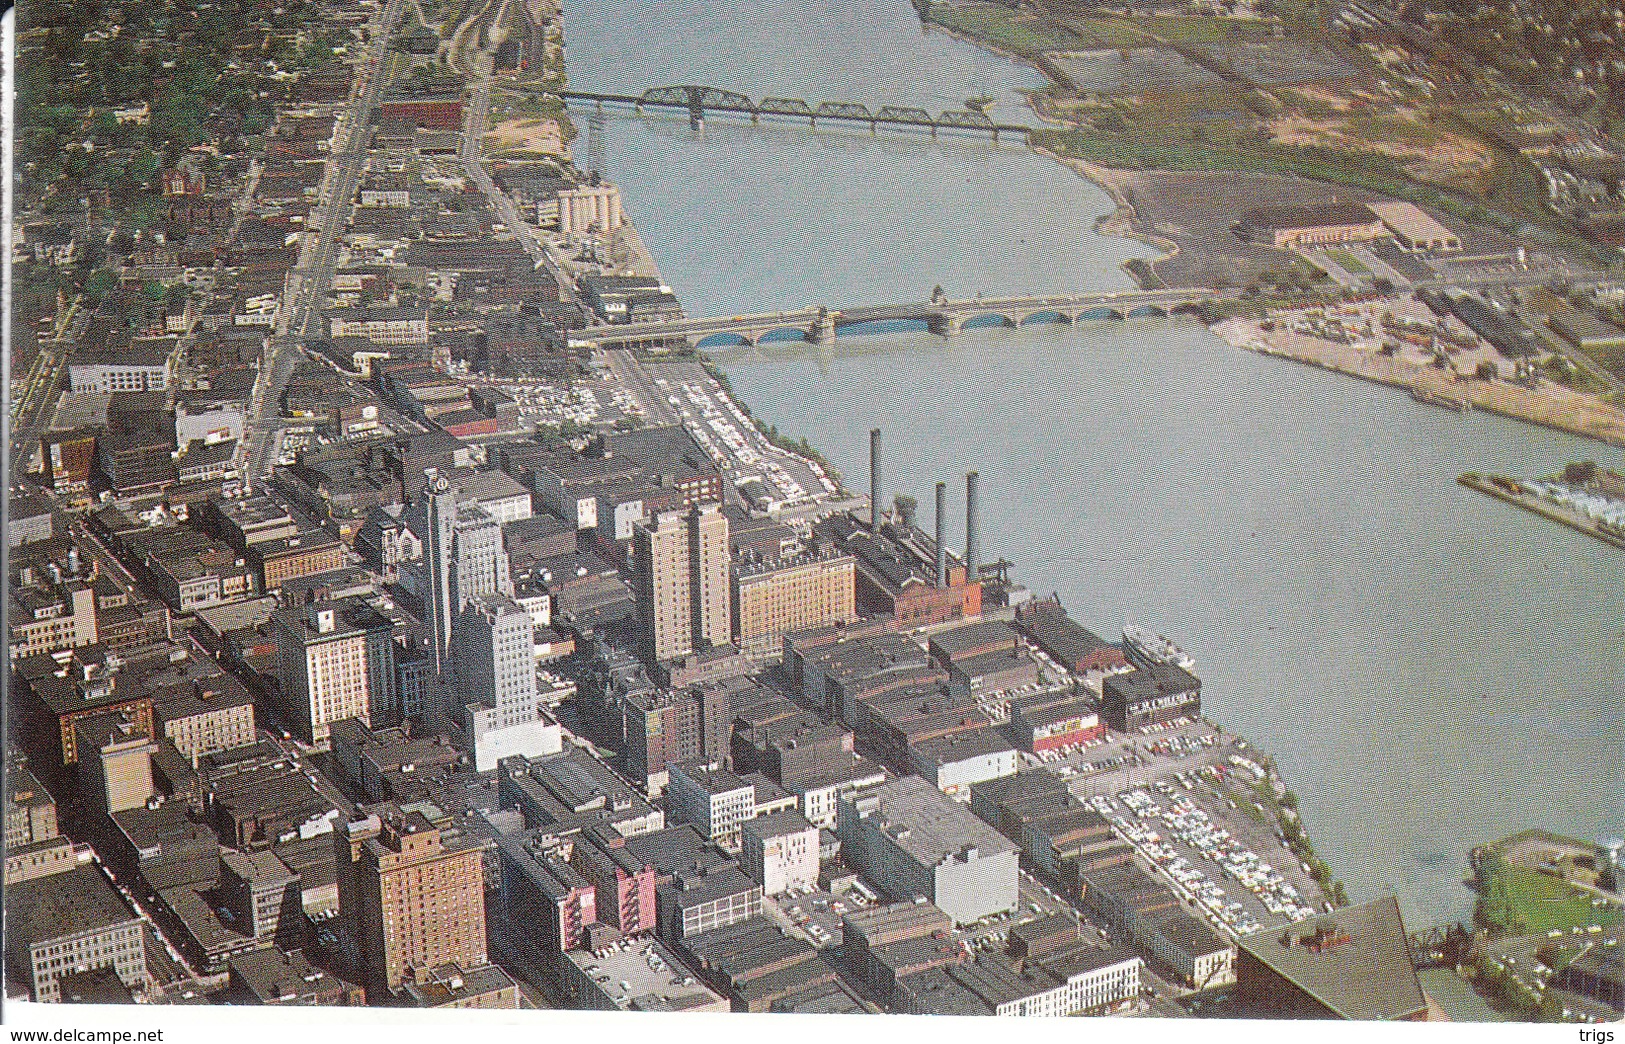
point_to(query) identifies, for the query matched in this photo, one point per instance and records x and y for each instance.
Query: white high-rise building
(496, 678)
(463, 555)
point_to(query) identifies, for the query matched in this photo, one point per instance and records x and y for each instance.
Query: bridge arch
(1188, 308)
(782, 333)
(1147, 311)
(1104, 312)
(1049, 315)
(722, 340)
(984, 319)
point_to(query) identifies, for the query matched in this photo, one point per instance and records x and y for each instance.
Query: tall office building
(419, 903)
(496, 682)
(463, 554)
(682, 581)
(439, 503)
(322, 666)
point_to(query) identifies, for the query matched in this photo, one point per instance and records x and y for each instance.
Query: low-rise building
(781, 851)
(286, 977)
(913, 840)
(1353, 963)
(1148, 696)
(545, 901)
(712, 798)
(646, 976)
(452, 985)
(71, 921)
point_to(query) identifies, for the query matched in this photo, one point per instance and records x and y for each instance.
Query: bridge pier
(823, 330)
(943, 324)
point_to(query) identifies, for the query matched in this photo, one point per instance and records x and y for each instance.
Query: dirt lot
(1196, 212)
(528, 136)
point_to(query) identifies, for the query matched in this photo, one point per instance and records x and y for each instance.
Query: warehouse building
(1149, 696)
(1324, 224)
(913, 840)
(1413, 228)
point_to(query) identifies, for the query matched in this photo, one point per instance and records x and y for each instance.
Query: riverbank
(1502, 488)
(1549, 406)
(1122, 221)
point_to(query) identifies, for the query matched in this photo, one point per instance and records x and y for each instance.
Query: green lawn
(1003, 28)
(1201, 30)
(1521, 898)
(1348, 262)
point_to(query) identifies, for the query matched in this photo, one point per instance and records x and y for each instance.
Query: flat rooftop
(70, 903)
(929, 826)
(643, 975)
(961, 746)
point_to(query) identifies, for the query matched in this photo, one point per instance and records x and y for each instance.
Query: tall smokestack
(942, 534)
(970, 526)
(874, 479)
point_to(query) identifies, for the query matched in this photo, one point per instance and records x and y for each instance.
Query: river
(1431, 668)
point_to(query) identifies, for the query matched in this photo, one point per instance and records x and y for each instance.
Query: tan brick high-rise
(419, 903)
(682, 581)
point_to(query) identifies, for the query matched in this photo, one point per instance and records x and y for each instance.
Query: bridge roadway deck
(947, 315)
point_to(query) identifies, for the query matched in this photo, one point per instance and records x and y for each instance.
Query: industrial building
(912, 840)
(1150, 695)
(1312, 225)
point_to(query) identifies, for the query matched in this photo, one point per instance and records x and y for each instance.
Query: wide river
(1431, 669)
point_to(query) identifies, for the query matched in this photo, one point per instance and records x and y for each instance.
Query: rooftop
(974, 743)
(662, 983)
(276, 976)
(70, 903)
(1356, 961)
(927, 824)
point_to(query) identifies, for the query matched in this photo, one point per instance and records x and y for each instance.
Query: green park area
(1348, 262)
(1004, 28)
(1525, 900)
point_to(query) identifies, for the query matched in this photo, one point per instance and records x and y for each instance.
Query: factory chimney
(942, 534)
(971, 508)
(874, 479)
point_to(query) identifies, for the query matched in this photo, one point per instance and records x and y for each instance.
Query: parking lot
(581, 403)
(815, 914)
(1166, 794)
(766, 477)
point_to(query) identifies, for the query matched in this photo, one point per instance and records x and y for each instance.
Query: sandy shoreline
(1547, 406)
(1119, 223)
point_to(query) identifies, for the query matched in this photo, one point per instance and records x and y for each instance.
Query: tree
(1580, 473)
(100, 284)
(905, 506)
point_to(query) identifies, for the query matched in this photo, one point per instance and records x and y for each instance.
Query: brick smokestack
(971, 542)
(942, 534)
(874, 479)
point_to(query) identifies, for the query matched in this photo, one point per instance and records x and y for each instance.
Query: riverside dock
(1502, 488)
